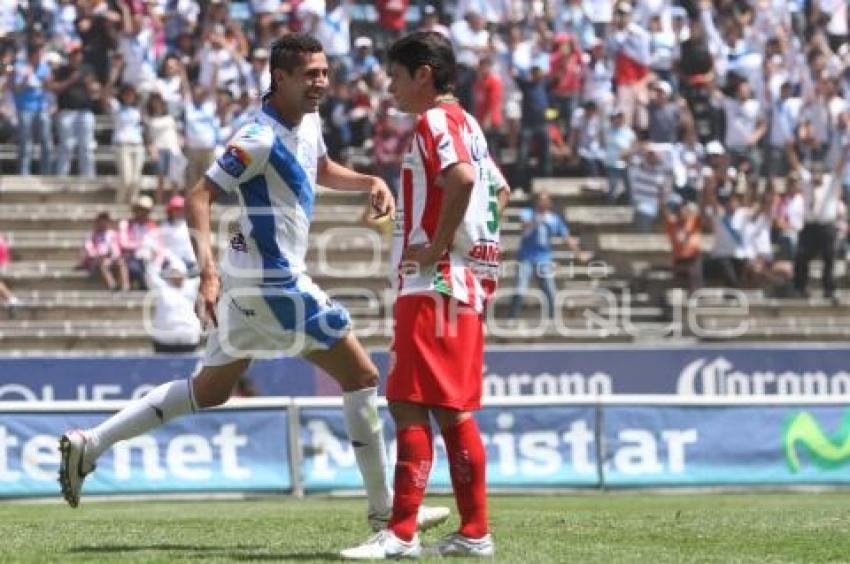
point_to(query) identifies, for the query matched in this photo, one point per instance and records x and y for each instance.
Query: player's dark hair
(286, 51)
(427, 48)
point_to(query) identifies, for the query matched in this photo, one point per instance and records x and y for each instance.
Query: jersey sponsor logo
(487, 252)
(234, 160)
(477, 148)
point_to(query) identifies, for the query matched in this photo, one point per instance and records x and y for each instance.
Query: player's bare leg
(81, 448)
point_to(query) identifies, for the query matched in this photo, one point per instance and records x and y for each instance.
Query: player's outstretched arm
(334, 175)
(458, 181)
(198, 206)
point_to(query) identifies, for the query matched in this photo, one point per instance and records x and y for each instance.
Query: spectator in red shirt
(102, 254)
(391, 18)
(6, 297)
(628, 44)
(488, 105)
(566, 72)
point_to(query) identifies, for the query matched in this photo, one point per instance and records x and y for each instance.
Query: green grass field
(635, 527)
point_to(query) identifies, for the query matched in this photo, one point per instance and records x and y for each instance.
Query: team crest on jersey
(234, 160)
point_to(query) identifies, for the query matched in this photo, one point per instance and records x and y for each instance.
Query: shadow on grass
(241, 553)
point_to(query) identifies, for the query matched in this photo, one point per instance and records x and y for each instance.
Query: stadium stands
(626, 294)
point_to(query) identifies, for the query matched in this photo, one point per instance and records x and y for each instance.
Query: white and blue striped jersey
(269, 305)
(271, 168)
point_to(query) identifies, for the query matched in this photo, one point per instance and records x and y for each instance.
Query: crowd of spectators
(728, 116)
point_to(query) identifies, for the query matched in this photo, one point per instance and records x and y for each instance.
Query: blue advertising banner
(660, 446)
(509, 372)
(541, 446)
(727, 445)
(212, 451)
(109, 378)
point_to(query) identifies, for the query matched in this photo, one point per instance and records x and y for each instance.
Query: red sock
(412, 468)
(468, 465)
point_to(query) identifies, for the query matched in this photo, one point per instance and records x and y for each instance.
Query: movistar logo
(826, 452)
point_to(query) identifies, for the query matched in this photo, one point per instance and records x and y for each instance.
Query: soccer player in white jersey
(260, 298)
(446, 252)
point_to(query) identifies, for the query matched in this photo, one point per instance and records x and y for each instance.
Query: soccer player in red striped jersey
(446, 252)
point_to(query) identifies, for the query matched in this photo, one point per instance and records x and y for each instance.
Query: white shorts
(274, 320)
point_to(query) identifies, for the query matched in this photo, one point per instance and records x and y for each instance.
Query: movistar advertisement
(557, 446)
(540, 446)
(734, 445)
(211, 451)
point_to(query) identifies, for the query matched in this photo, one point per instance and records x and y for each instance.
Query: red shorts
(437, 354)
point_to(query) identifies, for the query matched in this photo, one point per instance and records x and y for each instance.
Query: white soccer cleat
(72, 449)
(382, 546)
(455, 544)
(427, 518)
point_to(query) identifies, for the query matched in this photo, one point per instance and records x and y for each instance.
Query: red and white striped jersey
(444, 136)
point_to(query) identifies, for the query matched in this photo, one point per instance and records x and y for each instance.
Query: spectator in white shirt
(821, 197)
(220, 60)
(135, 44)
(745, 126)
(174, 233)
(471, 40)
(619, 144)
(688, 156)
(586, 141)
(201, 130)
(600, 12)
(571, 17)
(128, 139)
(756, 235)
(598, 76)
(784, 114)
(648, 177)
(730, 253)
(175, 328)
(165, 148)
(662, 49)
(789, 215)
(168, 85)
(334, 32)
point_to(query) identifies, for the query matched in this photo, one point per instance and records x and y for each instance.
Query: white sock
(364, 431)
(160, 405)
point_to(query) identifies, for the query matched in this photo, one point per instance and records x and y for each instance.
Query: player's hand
(381, 199)
(208, 293)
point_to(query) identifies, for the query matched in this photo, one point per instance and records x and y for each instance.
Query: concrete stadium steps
(780, 328)
(335, 277)
(62, 189)
(354, 244)
(758, 305)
